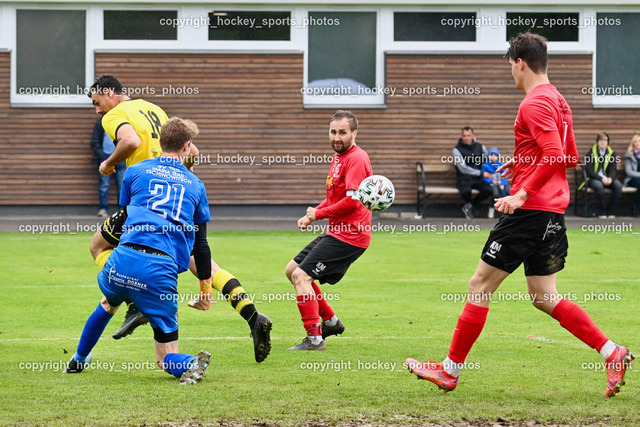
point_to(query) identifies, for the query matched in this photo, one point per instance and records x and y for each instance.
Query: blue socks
(91, 333)
(174, 363)
(177, 363)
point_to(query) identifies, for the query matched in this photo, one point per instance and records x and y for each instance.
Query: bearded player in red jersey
(533, 230)
(328, 257)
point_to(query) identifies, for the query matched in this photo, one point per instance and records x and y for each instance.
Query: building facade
(262, 80)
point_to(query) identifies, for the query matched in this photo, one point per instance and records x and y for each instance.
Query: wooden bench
(583, 196)
(430, 180)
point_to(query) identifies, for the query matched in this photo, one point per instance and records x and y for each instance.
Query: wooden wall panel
(251, 105)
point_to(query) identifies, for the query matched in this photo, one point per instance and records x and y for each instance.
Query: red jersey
(349, 221)
(545, 148)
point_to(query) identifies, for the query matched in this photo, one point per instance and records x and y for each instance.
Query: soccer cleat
(203, 302)
(196, 372)
(75, 367)
(306, 344)
(132, 320)
(434, 372)
(261, 337)
(336, 329)
(617, 365)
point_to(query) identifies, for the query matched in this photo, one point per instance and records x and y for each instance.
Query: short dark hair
(344, 114)
(104, 83)
(532, 49)
(175, 132)
(467, 128)
(602, 135)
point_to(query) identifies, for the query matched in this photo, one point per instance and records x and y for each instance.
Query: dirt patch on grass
(403, 420)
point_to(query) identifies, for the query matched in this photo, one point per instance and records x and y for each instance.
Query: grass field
(396, 301)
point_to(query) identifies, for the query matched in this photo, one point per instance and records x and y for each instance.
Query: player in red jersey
(328, 257)
(533, 230)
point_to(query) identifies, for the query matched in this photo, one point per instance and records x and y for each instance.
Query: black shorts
(537, 238)
(327, 259)
(111, 229)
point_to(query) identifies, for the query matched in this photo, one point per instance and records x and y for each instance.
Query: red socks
(308, 306)
(574, 319)
(325, 310)
(470, 324)
(571, 316)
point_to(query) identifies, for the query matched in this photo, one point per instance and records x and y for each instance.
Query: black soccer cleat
(132, 320)
(336, 329)
(75, 367)
(261, 337)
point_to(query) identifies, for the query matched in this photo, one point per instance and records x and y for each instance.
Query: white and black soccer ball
(376, 193)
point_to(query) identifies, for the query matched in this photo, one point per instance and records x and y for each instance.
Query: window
(50, 52)
(140, 25)
(556, 27)
(254, 26)
(617, 56)
(342, 57)
(428, 26)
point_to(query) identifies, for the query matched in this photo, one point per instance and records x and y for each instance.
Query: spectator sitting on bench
(469, 156)
(601, 165)
(499, 185)
(632, 170)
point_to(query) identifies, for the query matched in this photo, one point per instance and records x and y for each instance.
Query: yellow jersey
(145, 118)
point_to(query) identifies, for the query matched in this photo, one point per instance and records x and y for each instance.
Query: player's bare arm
(127, 143)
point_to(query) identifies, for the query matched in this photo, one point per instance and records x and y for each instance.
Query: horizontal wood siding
(250, 106)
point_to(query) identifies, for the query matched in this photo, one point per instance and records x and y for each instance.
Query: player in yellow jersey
(134, 125)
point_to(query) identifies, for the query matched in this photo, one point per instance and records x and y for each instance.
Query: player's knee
(288, 271)
(299, 278)
(108, 307)
(98, 245)
(164, 337)
(478, 284)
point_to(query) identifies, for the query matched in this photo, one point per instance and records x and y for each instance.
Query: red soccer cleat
(434, 372)
(617, 364)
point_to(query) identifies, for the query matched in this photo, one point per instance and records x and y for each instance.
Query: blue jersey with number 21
(164, 203)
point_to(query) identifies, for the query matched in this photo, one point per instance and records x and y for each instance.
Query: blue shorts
(150, 281)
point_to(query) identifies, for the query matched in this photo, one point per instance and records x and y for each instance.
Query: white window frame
(609, 101)
(491, 34)
(346, 101)
(4, 32)
(490, 39)
(97, 28)
(259, 46)
(73, 100)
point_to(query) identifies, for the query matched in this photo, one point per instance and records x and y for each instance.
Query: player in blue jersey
(167, 212)
(138, 124)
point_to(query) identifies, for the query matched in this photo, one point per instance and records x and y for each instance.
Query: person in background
(601, 165)
(102, 147)
(632, 170)
(499, 185)
(469, 156)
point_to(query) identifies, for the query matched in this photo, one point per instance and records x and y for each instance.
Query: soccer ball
(376, 193)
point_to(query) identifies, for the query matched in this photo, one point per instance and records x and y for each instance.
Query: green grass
(394, 302)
